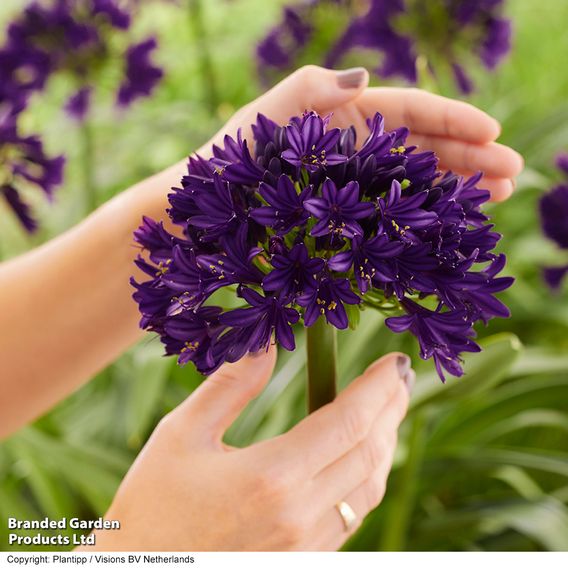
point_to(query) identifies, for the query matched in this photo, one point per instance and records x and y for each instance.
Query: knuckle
(355, 425)
(226, 377)
(375, 491)
(308, 70)
(373, 453)
(291, 530)
(272, 487)
(167, 425)
(308, 74)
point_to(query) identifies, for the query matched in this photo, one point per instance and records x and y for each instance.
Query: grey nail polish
(351, 78)
(410, 380)
(403, 364)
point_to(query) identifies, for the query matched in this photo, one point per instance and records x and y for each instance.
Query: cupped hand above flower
(461, 135)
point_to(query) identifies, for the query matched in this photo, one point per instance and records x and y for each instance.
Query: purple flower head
(405, 34)
(75, 39)
(296, 238)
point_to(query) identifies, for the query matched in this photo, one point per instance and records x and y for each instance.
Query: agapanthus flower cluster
(306, 225)
(554, 219)
(76, 38)
(447, 33)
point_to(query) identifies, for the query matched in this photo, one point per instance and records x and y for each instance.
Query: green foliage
(483, 460)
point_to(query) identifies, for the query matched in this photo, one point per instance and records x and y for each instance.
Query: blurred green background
(482, 462)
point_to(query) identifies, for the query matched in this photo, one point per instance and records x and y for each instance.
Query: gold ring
(348, 515)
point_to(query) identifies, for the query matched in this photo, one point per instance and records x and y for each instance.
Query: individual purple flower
(497, 42)
(402, 215)
(265, 315)
(338, 210)
(297, 238)
(554, 276)
(310, 147)
(141, 76)
(294, 271)
(285, 209)
(23, 162)
(441, 335)
(20, 208)
(328, 299)
(192, 334)
(371, 260)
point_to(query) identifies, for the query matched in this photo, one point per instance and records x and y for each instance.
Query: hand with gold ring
(308, 489)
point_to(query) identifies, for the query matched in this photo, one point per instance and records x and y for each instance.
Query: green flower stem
(322, 367)
(395, 535)
(88, 165)
(205, 60)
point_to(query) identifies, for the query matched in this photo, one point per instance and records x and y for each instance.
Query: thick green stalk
(88, 165)
(322, 368)
(395, 535)
(206, 69)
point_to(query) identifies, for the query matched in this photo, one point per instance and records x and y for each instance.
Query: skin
(187, 490)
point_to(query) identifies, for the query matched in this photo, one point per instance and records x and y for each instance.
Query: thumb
(219, 400)
(322, 90)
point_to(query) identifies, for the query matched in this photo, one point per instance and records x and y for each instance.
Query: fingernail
(405, 371)
(410, 380)
(403, 364)
(351, 78)
(498, 127)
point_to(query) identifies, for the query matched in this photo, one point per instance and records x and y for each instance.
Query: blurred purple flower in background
(448, 34)
(65, 36)
(77, 39)
(141, 74)
(554, 222)
(23, 159)
(307, 227)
